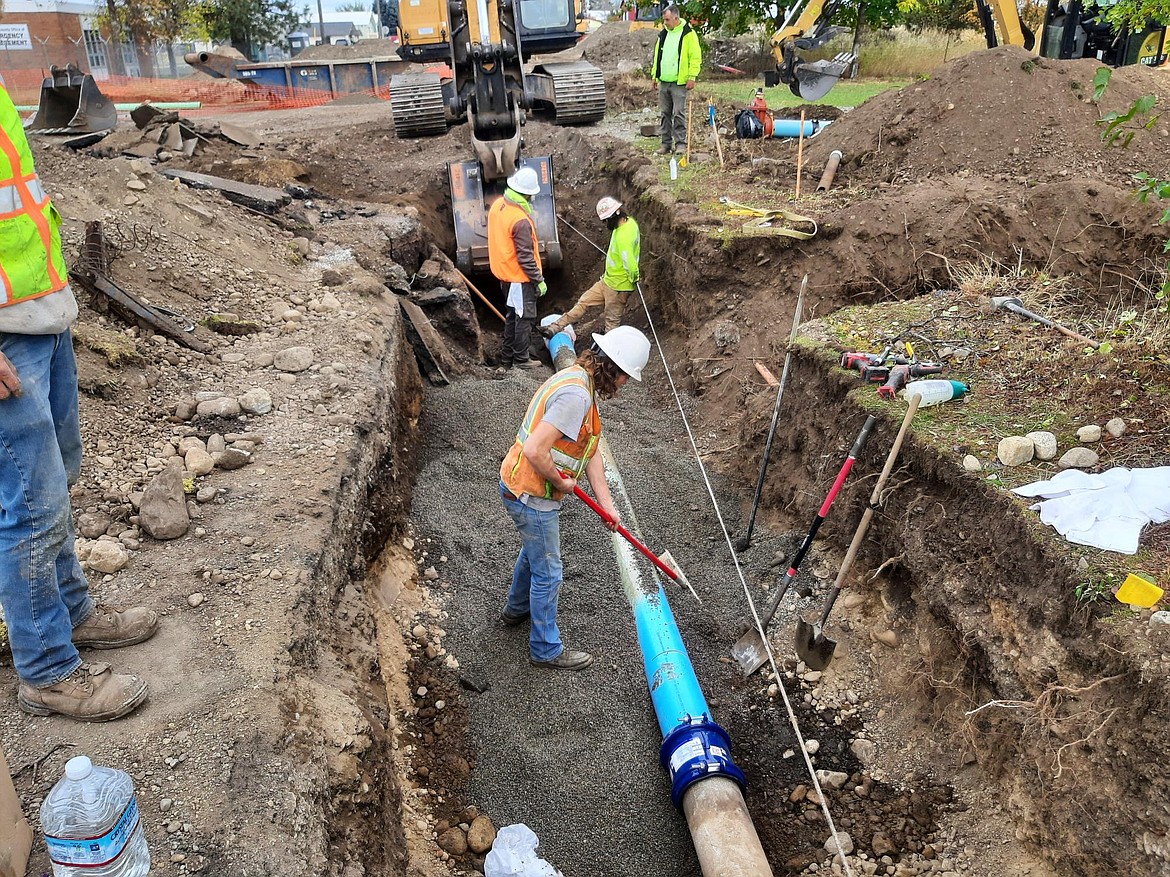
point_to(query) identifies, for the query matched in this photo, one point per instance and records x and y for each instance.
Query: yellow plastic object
(1137, 591)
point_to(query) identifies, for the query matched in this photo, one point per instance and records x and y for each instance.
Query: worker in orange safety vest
(514, 257)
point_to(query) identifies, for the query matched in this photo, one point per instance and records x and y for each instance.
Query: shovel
(813, 647)
(664, 562)
(72, 103)
(690, 114)
(750, 652)
(1016, 306)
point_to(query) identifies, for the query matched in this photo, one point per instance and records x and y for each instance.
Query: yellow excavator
(487, 44)
(1070, 30)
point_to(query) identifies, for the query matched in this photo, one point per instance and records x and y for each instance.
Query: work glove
(541, 288)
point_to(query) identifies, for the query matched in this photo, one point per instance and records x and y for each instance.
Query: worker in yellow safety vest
(555, 445)
(675, 63)
(514, 257)
(45, 596)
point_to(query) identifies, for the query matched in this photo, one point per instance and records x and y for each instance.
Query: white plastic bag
(514, 855)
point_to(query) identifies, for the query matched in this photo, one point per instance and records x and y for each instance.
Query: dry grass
(900, 54)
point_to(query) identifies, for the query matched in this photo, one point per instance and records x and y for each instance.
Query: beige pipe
(830, 171)
(722, 830)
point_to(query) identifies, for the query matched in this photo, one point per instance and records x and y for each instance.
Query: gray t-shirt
(566, 410)
(50, 314)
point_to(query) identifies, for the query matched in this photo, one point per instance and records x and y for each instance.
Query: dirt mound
(613, 43)
(1004, 114)
(359, 51)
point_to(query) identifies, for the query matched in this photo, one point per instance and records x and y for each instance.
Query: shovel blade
(813, 647)
(749, 652)
(812, 80)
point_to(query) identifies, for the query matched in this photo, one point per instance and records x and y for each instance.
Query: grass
(847, 93)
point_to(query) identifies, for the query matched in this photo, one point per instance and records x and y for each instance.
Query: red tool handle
(601, 513)
(895, 382)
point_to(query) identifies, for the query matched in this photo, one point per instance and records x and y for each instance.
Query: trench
(466, 727)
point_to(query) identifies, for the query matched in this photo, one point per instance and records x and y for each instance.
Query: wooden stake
(799, 154)
(482, 297)
(715, 134)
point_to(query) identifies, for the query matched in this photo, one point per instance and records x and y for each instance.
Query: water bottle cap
(78, 768)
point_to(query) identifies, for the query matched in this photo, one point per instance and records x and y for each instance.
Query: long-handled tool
(690, 114)
(1013, 304)
(749, 650)
(664, 561)
(813, 647)
(746, 539)
(715, 132)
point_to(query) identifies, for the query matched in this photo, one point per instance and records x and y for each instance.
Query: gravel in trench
(575, 755)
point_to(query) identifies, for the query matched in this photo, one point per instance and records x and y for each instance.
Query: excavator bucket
(72, 103)
(812, 80)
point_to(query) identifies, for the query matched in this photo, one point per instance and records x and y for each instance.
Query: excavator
(1068, 31)
(486, 43)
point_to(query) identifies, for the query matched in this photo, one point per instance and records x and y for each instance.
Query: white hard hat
(524, 181)
(607, 207)
(627, 347)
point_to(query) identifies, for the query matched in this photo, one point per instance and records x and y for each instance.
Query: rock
(195, 600)
(1015, 450)
(430, 573)
(107, 557)
(93, 524)
(136, 185)
(833, 779)
(1087, 435)
(215, 443)
(255, 401)
(864, 750)
(233, 458)
(1045, 443)
(481, 835)
(882, 845)
(141, 166)
(1078, 458)
(1160, 618)
(1115, 427)
(332, 277)
(198, 462)
(206, 493)
(453, 841)
(329, 303)
(225, 407)
(185, 409)
(812, 747)
(886, 638)
(293, 359)
(971, 463)
(163, 512)
(841, 840)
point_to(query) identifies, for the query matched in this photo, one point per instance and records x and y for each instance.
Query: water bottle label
(93, 851)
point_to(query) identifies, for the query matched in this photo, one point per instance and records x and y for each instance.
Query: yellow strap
(775, 221)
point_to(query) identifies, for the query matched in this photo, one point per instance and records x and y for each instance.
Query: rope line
(739, 572)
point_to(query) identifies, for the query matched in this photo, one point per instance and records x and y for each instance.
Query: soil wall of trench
(983, 594)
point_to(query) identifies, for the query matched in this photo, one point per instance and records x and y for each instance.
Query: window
(95, 50)
(544, 14)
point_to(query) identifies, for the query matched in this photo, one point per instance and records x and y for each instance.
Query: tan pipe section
(830, 170)
(722, 830)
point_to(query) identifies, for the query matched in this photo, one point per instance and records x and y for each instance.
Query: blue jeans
(42, 588)
(536, 579)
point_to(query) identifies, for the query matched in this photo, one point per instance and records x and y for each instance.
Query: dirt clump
(362, 50)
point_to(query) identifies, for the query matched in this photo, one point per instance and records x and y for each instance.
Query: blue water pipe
(791, 127)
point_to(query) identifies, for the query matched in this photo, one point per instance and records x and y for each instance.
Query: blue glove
(541, 288)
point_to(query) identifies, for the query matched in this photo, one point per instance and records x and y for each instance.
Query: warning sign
(15, 36)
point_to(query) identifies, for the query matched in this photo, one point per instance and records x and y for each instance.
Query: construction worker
(621, 270)
(556, 443)
(514, 256)
(44, 593)
(675, 66)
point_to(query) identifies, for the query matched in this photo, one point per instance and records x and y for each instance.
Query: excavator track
(577, 91)
(416, 103)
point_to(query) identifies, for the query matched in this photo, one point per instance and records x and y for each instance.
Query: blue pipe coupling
(695, 750)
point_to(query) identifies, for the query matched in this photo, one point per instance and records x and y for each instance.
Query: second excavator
(488, 44)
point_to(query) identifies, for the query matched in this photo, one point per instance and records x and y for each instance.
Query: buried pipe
(706, 784)
(830, 171)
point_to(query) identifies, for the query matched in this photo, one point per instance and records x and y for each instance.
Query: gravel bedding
(575, 756)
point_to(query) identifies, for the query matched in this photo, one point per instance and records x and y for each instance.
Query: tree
(389, 15)
(352, 6)
(1137, 14)
(250, 24)
(949, 16)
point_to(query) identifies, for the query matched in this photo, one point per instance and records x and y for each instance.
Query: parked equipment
(746, 539)
(72, 103)
(1013, 304)
(750, 652)
(813, 647)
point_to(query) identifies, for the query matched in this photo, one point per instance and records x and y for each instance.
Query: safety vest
(31, 263)
(518, 474)
(502, 217)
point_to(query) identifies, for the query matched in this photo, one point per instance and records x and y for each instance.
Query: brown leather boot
(91, 693)
(110, 627)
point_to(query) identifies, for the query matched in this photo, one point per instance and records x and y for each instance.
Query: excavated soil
(1012, 730)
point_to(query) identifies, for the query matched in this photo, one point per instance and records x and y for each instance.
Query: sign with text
(15, 36)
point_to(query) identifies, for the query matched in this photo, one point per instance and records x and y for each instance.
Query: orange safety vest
(31, 263)
(502, 217)
(518, 474)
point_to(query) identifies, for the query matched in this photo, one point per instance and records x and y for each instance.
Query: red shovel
(665, 562)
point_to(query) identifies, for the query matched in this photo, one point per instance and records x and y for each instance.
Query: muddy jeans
(599, 294)
(672, 103)
(518, 330)
(536, 578)
(42, 588)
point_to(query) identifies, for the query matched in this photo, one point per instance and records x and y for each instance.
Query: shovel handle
(629, 537)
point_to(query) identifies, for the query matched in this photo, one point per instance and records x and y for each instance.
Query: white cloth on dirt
(513, 854)
(516, 298)
(1106, 510)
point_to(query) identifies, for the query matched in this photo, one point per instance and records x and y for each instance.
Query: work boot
(110, 627)
(513, 620)
(529, 364)
(680, 150)
(91, 693)
(664, 149)
(566, 660)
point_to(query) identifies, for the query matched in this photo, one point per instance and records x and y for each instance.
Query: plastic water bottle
(935, 392)
(91, 823)
(673, 168)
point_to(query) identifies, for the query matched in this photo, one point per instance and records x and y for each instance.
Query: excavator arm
(806, 28)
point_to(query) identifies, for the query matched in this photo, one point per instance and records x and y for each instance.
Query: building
(37, 34)
(344, 28)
